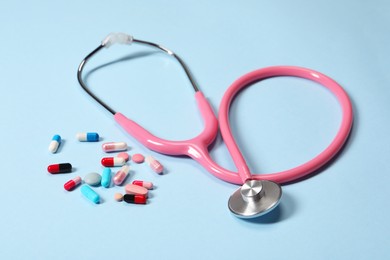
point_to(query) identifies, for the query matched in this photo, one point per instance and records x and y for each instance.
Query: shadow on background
(283, 211)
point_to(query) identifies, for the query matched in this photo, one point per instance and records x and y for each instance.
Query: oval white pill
(93, 179)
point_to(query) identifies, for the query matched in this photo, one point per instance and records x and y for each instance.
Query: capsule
(114, 147)
(133, 198)
(146, 184)
(155, 165)
(106, 178)
(59, 168)
(113, 161)
(90, 194)
(87, 137)
(121, 175)
(71, 184)
(135, 189)
(55, 143)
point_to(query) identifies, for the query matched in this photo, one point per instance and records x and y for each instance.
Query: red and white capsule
(121, 175)
(113, 161)
(146, 184)
(155, 165)
(114, 147)
(71, 184)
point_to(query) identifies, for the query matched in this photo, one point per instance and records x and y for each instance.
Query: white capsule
(55, 143)
(121, 175)
(154, 164)
(114, 146)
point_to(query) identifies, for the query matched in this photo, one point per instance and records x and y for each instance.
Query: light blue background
(340, 213)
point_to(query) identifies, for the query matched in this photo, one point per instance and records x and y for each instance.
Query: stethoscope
(260, 193)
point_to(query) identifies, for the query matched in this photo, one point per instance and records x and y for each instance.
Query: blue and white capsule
(55, 143)
(106, 178)
(88, 137)
(90, 194)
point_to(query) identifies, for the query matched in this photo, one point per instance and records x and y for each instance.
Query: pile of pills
(135, 192)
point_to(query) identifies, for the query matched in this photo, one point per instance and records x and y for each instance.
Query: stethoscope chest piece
(255, 198)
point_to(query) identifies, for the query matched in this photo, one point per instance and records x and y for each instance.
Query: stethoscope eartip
(255, 198)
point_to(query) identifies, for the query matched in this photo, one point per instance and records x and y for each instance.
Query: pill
(106, 178)
(59, 168)
(90, 194)
(71, 184)
(154, 164)
(135, 189)
(138, 158)
(123, 155)
(93, 179)
(55, 143)
(121, 175)
(87, 137)
(112, 161)
(118, 196)
(134, 198)
(114, 147)
(146, 184)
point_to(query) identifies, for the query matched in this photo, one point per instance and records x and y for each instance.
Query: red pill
(71, 184)
(136, 199)
(59, 168)
(113, 161)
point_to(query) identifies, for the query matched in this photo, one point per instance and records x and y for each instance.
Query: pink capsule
(135, 189)
(70, 185)
(154, 164)
(146, 184)
(121, 175)
(114, 147)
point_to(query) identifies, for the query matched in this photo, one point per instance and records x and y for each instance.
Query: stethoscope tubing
(308, 167)
(197, 147)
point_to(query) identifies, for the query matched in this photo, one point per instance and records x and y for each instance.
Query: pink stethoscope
(259, 193)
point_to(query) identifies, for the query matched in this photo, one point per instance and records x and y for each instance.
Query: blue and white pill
(88, 137)
(106, 178)
(90, 194)
(55, 143)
